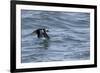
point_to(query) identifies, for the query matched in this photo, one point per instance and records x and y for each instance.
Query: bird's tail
(33, 33)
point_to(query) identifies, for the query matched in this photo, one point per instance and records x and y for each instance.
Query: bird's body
(41, 33)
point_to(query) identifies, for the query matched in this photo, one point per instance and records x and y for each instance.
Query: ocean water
(69, 34)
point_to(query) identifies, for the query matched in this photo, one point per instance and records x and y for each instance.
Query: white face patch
(47, 30)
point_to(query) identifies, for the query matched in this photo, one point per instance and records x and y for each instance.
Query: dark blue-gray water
(69, 34)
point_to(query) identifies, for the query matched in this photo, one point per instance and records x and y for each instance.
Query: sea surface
(69, 34)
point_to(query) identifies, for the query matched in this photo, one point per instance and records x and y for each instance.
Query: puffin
(41, 33)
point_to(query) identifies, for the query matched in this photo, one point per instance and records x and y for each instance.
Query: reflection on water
(69, 34)
(45, 44)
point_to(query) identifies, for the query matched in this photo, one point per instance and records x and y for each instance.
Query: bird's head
(46, 30)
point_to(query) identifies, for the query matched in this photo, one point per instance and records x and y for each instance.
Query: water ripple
(69, 36)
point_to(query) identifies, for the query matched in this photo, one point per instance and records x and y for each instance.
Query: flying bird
(41, 33)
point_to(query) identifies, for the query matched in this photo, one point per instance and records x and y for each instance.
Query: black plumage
(41, 33)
